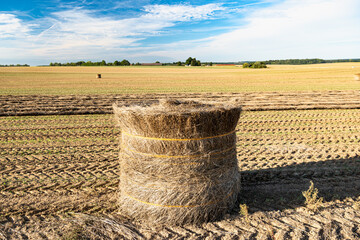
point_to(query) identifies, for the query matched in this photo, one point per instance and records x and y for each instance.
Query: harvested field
(24, 105)
(140, 80)
(59, 178)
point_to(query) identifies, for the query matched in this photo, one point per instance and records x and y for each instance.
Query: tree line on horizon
(308, 61)
(189, 62)
(90, 63)
(194, 62)
(15, 65)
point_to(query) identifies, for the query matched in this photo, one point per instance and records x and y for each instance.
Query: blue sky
(40, 32)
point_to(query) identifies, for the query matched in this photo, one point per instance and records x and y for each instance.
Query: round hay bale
(357, 77)
(178, 161)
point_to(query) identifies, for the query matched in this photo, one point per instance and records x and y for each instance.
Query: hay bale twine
(178, 161)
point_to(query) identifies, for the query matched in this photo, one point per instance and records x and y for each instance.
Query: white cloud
(80, 32)
(291, 29)
(11, 26)
(180, 12)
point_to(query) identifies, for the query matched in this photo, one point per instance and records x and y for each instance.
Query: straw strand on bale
(178, 161)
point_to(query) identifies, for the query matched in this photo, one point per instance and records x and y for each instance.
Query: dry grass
(85, 226)
(244, 212)
(178, 161)
(119, 80)
(356, 205)
(312, 201)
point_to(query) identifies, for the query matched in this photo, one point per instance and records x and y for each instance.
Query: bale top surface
(177, 118)
(170, 106)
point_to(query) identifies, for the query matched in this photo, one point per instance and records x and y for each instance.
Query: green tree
(246, 65)
(125, 63)
(259, 65)
(193, 62)
(256, 65)
(188, 61)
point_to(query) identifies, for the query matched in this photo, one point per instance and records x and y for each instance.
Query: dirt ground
(59, 173)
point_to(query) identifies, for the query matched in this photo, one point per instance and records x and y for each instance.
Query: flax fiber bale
(178, 161)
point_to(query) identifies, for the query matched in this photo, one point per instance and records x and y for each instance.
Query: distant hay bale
(98, 75)
(178, 161)
(357, 77)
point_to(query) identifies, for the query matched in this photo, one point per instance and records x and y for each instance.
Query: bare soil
(60, 173)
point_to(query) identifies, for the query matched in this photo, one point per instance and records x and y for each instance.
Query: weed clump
(312, 201)
(244, 211)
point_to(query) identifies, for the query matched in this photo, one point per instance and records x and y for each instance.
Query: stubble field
(59, 173)
(142, 80)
